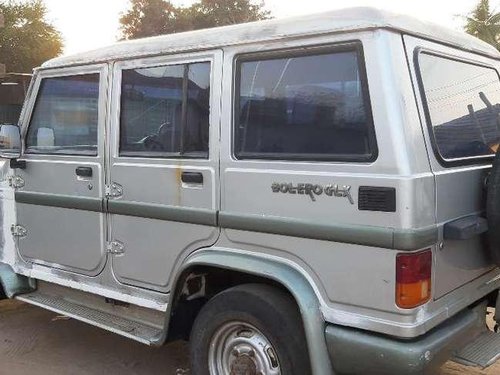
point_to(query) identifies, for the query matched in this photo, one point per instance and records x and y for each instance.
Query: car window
(312, 107)
(65, 116)
(463, 106)
(165, 111)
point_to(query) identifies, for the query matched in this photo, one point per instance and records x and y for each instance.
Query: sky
(89, 24)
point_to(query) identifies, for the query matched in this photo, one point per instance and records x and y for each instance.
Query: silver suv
(310, 195)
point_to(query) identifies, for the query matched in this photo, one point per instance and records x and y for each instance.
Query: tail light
(413, 279)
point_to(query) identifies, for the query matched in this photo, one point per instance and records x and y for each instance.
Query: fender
(295, 282)
(14, 284)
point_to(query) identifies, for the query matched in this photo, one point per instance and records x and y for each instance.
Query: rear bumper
(361, 352)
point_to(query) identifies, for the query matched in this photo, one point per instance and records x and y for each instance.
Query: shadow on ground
(33, 340)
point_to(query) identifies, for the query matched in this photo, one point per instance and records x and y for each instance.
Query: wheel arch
(274, 271)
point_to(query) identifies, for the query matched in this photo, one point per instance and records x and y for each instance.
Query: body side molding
(61, 201)
(163, 212)
(384, 237)
(286, 275)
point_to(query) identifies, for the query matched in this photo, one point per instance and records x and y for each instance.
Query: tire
(233, 325)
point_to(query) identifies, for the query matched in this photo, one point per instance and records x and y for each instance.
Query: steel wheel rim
(239, 348)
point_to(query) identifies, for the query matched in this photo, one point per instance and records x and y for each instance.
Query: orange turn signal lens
(413, 279)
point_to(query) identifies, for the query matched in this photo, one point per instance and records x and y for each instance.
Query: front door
(60, 193)
(163, 164)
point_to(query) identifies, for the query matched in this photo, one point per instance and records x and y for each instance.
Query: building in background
(13, 89)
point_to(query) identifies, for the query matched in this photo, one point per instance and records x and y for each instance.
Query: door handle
(84, 171)
(192, 177)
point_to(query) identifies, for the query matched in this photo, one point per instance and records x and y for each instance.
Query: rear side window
(65, 117)
(463, 106)
(165, 111)
(304, 106)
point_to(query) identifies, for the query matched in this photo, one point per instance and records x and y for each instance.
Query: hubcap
(238, 348)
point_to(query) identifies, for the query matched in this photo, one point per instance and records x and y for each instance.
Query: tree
(484, 24)
(155, 17)
(27, 40)
(211, 13)
(150, 17)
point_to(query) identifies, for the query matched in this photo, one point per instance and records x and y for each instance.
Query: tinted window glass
(65, 117)
(303, 107)
(165, 111)
(463, 102)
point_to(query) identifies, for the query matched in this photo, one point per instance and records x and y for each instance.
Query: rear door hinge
(114, 191)
(18, 231)
(115, 247)
(16, 182)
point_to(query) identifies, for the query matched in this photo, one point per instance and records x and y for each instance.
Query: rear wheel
(250, 329)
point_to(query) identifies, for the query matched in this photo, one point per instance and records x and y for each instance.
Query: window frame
(34, 96)
(156, 63)
(355, 46)
(470, 160)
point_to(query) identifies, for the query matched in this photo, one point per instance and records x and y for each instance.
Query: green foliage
(484, 24)
(149, 17)
(27, 40)
(211, 13)
(155, 17)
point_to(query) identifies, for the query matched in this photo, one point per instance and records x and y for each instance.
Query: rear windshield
(463, 107)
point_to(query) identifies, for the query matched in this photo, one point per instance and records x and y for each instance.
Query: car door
(59, 194)
(163, 164)
(458, 96)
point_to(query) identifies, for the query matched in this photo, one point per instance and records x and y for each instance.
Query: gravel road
(35, 341)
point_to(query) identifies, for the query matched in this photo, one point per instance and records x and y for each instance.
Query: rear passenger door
(163, 164)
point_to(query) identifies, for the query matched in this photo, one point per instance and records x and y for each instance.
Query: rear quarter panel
(356, 284)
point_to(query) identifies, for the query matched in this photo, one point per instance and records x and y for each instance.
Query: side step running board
(134, 330)
(482, 352)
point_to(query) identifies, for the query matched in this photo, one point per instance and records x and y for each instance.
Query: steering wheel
(151, 143)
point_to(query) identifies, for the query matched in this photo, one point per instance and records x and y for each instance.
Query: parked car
(307, 195)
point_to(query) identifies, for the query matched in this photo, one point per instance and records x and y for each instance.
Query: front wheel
(250, 329)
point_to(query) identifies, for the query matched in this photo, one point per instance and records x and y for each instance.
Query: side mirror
(10, 141)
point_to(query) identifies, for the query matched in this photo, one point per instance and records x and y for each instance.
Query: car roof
(338, 21)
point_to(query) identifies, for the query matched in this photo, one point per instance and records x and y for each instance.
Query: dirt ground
(35, 341)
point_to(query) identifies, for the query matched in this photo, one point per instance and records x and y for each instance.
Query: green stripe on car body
(383, 237)
(61, 201)
(164, 212)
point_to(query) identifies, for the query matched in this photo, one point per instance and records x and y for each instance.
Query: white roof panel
(324, 23)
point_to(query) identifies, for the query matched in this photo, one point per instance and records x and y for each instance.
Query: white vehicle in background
(309, 195)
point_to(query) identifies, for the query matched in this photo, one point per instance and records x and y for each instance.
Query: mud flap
(14, 284)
